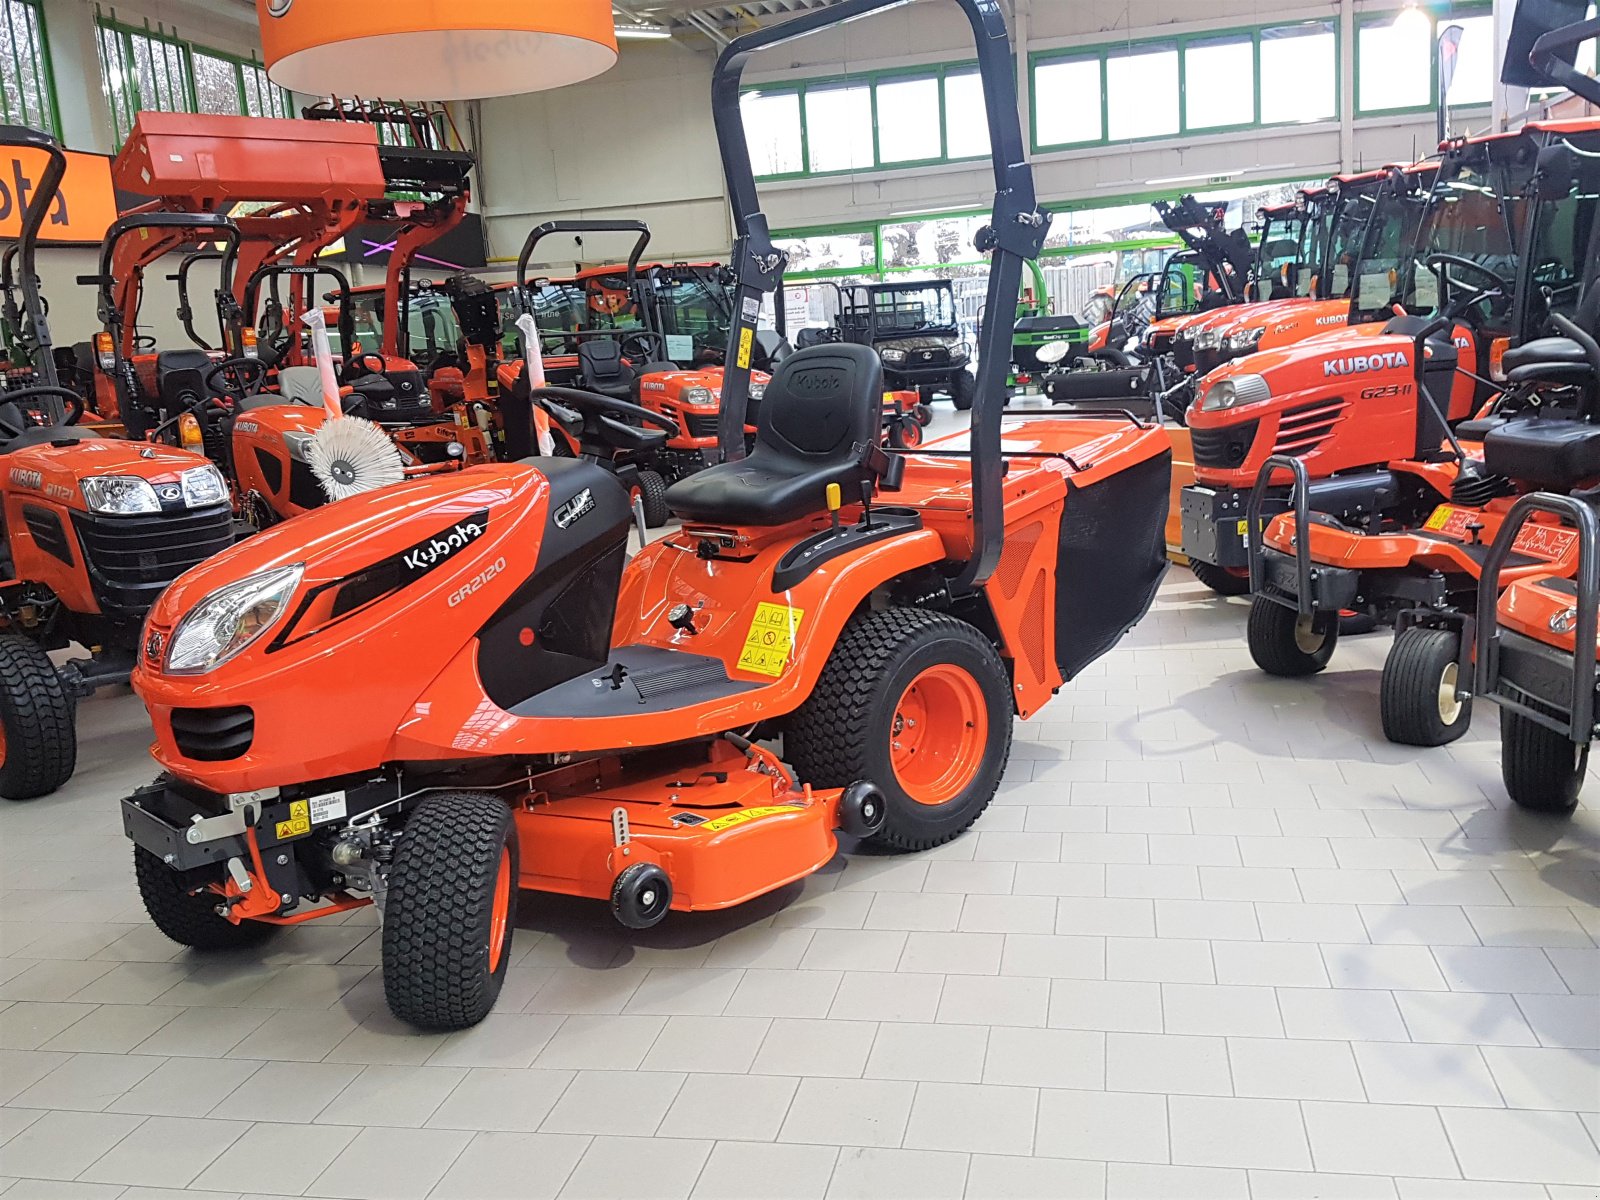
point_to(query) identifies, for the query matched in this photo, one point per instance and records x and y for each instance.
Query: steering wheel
(639, 347)
(236, 377)
(12, 407)
(143, 343)
(1438, 262)
(708, 351)
(594, 404)
(365, 361)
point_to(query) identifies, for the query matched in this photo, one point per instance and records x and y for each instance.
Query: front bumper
(1333, 589)
(1215, 529)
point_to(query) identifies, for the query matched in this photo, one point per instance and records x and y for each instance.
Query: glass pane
(25, 94)
(262, 98)
(1299, 74)
(772, 130)
(908, 121)
(1221, 83)
(965, 120)
(1395, 64)
(1142, 93)
(1475, 61)
(931, 242)
(216, 86)
(839, 127)
(1066, 102)
(853, 251)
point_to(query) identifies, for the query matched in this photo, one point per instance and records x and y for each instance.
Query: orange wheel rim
(938, 734)
(2, 744)
(499, 915)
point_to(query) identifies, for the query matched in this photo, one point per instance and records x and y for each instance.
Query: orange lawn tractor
(460, 688)
(91, 530)
(1345, 403)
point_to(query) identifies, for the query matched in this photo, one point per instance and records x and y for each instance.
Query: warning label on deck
(743, 815)
(771, 639)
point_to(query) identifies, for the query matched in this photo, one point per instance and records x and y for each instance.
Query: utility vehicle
(913, 327)
(1345, 403)
(460, 687)
(91, 530)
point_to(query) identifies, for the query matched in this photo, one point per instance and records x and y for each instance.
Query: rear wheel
(38, 722)
(918, 703)
(189, 918)
(653, 494)
(1417, 697)
(1543, 770)
(1224, 581)
(963, 390)
(1282, 642)
(451, 909)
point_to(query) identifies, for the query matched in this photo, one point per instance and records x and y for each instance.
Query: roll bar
(33, 219)
(346, 328)
(186, 309)
(1016, 233)
(1546, 58)
(549, 228)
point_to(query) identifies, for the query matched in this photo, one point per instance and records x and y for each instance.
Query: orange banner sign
(81, 213)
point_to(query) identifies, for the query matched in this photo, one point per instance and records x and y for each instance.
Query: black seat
(180, 379)
(602, 369)
(1546, 350)
(1544, 452)
(821, 410)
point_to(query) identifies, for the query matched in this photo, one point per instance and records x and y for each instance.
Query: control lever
(866, 504)
(835, 499)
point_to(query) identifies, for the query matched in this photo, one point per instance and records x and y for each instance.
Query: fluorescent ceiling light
(643, 32)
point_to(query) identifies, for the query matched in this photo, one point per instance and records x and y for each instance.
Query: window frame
(1102, 51)
(936, 72)
(1457, 10)
(44, 96)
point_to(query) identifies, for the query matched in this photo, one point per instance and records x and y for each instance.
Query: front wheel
(963, 390)
(918, 703)
(451, 909)
(1417, 697)
(189, 917)
(1543, 770)
(38, 722)
(1284, 643)
(1224, 581)
(653, 495)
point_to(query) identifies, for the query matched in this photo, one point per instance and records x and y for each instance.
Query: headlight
(1244, 341)
(119, 495)
(229, 619)
(1230, 393)
(299, 445)
(696, 395)
(1208, 339)
(203, 486)
(894, 356)
(758, 391)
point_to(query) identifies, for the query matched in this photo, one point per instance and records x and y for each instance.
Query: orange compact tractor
(1345, 403)
(461, 687)
(1416, 557)
(91, 530)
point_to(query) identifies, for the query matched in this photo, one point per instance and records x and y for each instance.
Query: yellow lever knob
(835, 497)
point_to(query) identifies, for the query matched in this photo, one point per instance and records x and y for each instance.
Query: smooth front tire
(1417, 696)
(919, 703)
(38, 722)
(1543, 770)
(451, 908)
(1284, 643)
(1224, 581)
(189, 918)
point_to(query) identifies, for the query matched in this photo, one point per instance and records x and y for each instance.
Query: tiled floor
(1215, 938)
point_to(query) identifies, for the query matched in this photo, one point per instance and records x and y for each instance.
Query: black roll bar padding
(1546, 58)
(1016, 233)
(1591, 350)
(1580, 723)
(549, 228)
(226, 232)
(33, 219)
(1302, 520)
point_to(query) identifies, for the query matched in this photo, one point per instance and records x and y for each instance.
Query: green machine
(1038, 327)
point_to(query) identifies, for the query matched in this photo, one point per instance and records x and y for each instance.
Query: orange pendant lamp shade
(435, 49)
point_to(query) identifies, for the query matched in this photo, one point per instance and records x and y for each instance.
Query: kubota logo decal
(425, 556)
(1356, 364)
(27, 479)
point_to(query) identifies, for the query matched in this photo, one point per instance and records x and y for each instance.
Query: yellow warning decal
(742, 816)
(771, 639)
(747, 338)
(299, 821)
(1244, 528)
(1440, 518)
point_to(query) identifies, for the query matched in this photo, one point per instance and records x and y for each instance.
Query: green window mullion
(805, 138)
(1105, 100)
(1255, 73)
(49, 77)
(872, 101)
(1183, 87)
(944, 120)
(16, 73)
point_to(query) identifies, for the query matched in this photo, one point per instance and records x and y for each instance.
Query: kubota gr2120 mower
(434, 696)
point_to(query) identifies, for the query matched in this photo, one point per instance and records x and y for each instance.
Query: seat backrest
(301, 385)
(601, 363)
(180, 378)
(821, 403)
